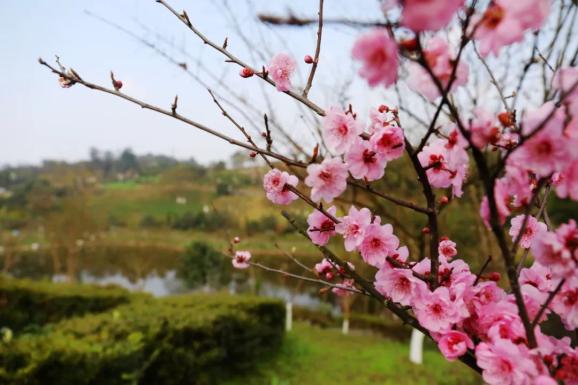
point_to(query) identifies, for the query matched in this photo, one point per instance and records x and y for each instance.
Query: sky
(40, 120)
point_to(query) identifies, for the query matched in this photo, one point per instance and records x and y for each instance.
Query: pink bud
(117, 84)
(236, 240)
(308, 59)
(494, 276)
(246, 72)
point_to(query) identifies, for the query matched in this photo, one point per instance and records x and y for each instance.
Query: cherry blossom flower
(396, 284)
(447, 248)
(364, 162)
(378, 242)
(352, 227)
(504, 363)
(321, 228)
(566, 183)
(324, 269)
(327, 180)
(565, 304)
(241, 259)
(275, 183)
(547, 151)
(538, 276)
(388, 141)
(504, 23)
(484, 130)
(419, 15)
(549, 250)
(280, 70)
(435, 310)
(533, 227)
(344, 288)
(377, 51)
(445, 166)
(454, 344)
(340, 130)
(502, 203)
(441, 61)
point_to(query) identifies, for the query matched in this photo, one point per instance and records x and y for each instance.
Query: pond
(159, 271)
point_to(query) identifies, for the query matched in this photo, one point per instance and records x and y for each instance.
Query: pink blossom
(321, 228)
(533, 227)
(378, 242)
(545, 380)
(565, 304)
(364, 162)
(383, 116)
(484, 130)
(454, 344)
(504, 23)
(419, 15)
(324, 269)
(377, 51)
(435, 310)
(538, 276)
(340, 130)
(445, 166)
(280, 70)
(504, 363)
(388, 141)
(241, 259)
(275, 183)
(396, 284)
(441, 61)
(547, 151)
(566, 183)
(517, 185)
(502, 204)
(327, 180)
(549, 250)
(344, 288)
(447, 248)
(352, 227)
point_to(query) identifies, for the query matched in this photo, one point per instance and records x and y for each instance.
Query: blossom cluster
(464, 312)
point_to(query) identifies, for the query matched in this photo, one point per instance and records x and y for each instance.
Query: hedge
(26, 304)
(192, 340)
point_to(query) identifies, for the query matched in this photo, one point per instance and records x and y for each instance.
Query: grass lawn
(313, 356)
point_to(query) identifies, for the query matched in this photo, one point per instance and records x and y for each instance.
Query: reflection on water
(157, 272)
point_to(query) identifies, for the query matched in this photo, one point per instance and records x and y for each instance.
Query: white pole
(345, 326)
(416, 347)
(288, 316)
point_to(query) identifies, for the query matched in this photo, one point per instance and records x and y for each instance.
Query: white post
(345, 326)
(288, 316)
(416, 347)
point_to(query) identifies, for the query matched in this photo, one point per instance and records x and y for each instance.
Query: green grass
(313, 356)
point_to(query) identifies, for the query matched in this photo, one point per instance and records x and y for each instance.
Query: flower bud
(494, 276)
(444, 200)
(408, 44)
(236, 240)
(246, 72)
(308, 59)
(252, 154)
(117, 84)
(506, 118)
(425, 230)
(383, 108)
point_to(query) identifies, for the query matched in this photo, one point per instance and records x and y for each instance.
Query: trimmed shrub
(192, 340)
(28, 304)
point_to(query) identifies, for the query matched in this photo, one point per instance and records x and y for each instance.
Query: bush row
(193, 339)
(26, 304)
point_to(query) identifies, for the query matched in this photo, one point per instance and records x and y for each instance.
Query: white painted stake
(345, 326)
(416, 347)
(288, 316)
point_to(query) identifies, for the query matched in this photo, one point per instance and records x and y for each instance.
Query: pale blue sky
(40, 120)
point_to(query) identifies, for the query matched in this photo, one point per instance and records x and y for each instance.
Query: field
(313, 356)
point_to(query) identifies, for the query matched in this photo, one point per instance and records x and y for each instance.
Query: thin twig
(317, 52)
